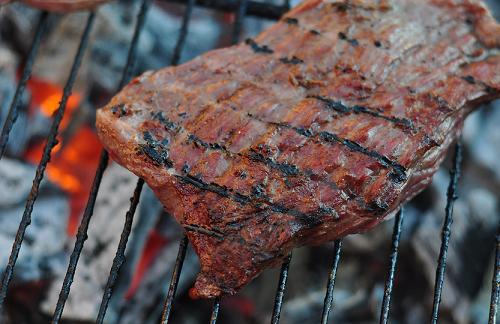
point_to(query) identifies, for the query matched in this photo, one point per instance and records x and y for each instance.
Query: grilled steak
(321, 126)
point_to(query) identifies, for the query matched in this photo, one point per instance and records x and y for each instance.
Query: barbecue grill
(240, 8)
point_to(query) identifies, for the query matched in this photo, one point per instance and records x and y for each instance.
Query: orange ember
(46, 96)
(72, 165)
(72, 168)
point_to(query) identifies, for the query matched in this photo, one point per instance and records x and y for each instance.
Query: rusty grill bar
(241, 8)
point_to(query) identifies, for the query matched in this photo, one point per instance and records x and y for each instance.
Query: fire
(72, 165)
(46, 96)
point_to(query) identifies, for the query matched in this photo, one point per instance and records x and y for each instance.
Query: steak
(321, 126)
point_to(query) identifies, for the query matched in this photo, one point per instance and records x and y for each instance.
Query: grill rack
(241, 8)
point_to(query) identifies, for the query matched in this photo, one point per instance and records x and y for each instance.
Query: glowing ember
(73, 163)
(46, 97)
(72, 168)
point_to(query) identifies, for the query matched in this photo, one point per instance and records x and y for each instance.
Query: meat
(64, 5)
(321, 126)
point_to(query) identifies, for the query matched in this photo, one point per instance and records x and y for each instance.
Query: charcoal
(99, 250)
(42, 255)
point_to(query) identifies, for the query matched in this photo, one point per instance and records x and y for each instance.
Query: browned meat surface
(65, 5)
(321, 126)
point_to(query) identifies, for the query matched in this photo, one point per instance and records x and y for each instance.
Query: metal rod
(215, 311)
(396, 236)
(495, 284)
(40, 171)
(280, 292)
(327, 306)
(119, 258)
(446, 232)
(181, 40)
(103, 162)
(238, 21)
(21, 86)
(81, 236)
(254, 8)
(174, 281)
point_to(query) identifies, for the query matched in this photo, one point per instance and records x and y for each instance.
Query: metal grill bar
(254, 8)
(119, 258)
(495, 284)
(103, 162)
(174, 281)
(396, 236)
(47, 150)
(446, 233)
(215, 311)
(14, 106)
(183, 33)
(280, 292)
(327, 306)
(240, 14)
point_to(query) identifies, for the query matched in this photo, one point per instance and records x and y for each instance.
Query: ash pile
(152, 249)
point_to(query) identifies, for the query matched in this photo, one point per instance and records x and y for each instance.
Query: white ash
(99, 250)
(482, 134)
(42, 252)
(110, 38)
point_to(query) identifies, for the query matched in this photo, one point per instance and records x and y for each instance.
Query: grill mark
(257, 200)
(119, 110)
(286, 168)
(342, 108)
(293, 60)
(307, 219)
(471, 80)
(291, 21)
(155, 150)
(399, 172)
(201, 230)
(352, 41)
(258, 48)
(170, 125)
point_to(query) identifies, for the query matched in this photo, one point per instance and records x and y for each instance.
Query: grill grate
(443, 253)
(396, 236)
(495, 284)
(331, 282)
(51, 142)
(241, 8)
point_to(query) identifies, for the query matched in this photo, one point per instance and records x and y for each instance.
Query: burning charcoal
(42, 254)
(475, 219)
(115, 25)
(99, 250)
